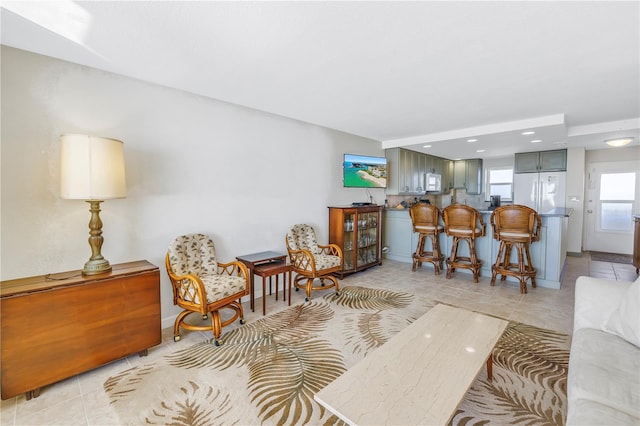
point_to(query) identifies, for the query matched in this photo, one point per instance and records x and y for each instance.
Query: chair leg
(176, 324)
(216, 327)
(308, 289)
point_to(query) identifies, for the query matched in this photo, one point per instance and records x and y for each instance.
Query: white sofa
(604, 368)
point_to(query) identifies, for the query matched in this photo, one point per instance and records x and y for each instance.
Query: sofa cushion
(584, 413)
(604, 369)
(625, 321)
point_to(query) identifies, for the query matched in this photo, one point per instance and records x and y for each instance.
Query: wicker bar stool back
(519, 226)
(463, 222)
(426, 222)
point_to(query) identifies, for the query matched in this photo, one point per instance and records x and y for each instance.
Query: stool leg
(418, 253)
(452, 257)
(496, 265)
(530, 267)
(521, 269)
(277, 287)
(435, 253)
(475, 264)
(507, 260)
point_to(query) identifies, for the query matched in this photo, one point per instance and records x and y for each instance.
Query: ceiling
(404, 73)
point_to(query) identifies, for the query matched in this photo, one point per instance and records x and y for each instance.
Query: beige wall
(193, 165)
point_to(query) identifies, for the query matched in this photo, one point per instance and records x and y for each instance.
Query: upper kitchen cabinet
(473, 174)
(467, 174)
(541, 161)
(407, 171)
(405, 175)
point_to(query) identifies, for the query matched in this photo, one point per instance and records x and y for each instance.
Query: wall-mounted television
(364, 171)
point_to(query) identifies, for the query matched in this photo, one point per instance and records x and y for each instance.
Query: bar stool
(519, 226)
(463, 222)
(425, 219)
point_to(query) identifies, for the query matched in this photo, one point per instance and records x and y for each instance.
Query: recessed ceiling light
(536, 141)
(480, 150)
(472, 140)
(528, 132)
(427, 146)
(618, 142)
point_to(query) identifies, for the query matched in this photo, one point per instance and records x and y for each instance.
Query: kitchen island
(547, 255)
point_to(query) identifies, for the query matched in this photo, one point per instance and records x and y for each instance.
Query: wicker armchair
(311, 261)
(519, 226)
(202, 284)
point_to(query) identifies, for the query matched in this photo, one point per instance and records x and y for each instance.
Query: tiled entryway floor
(80, 400)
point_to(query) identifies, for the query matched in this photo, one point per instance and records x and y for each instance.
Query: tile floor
(80, 400)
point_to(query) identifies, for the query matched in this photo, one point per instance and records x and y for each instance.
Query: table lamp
(92, 169)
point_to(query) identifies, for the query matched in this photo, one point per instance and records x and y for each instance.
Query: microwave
(433, 182)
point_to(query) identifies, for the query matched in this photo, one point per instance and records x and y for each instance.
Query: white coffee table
(420, 375)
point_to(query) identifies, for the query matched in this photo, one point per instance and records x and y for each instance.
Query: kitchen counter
(547, 255)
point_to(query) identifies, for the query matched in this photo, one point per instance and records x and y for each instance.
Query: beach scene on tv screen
(365, 172)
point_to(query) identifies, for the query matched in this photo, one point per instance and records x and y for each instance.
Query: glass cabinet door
(367, 238)
(349, 237)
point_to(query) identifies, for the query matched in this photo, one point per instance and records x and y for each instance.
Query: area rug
(267, 371)
(610, 257)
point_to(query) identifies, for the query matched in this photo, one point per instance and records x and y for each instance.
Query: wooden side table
(270, 269)
(254, 259)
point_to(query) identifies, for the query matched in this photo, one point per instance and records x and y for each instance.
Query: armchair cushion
(326, 261)
(220, 287)
(303, 237)
(193, 254)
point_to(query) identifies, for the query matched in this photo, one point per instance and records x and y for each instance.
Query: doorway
(613, 191)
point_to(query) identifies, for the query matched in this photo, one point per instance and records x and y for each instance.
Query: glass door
(613, 194)
(349, 238)
(367, 238)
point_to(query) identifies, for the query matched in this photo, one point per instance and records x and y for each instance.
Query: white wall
(575, 198)
(193, 164)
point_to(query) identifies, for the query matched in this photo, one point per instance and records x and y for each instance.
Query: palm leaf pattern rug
(267, 371)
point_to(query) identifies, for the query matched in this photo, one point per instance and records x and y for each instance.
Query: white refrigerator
(540, 191)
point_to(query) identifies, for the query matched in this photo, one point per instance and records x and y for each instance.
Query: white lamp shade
(91, 168)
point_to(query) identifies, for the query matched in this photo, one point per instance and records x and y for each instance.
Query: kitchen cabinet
(447, 176)
(473, 176)
(541, 161)
(406, 169)
(54, 327)
(467, 175)
(357, 231)
(459, 173)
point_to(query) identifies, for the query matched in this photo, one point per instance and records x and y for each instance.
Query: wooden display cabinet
(357, 230)
(63, 324)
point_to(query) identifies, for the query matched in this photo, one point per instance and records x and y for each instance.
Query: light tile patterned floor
(80, 400)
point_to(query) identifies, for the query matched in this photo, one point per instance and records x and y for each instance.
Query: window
(500, 182)
(617, 192)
